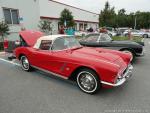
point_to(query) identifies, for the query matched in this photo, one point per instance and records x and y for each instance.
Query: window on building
(81, 26)
(75, 26)
(11, 16)
(85, 26)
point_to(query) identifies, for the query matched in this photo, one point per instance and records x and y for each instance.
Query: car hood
(94, 54)
(30, 36)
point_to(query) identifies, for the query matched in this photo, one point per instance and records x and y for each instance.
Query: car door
(50, 60)
(41, 57)
(135, 33)
(60, 56)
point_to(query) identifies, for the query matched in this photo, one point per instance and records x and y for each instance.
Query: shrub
(1, 46)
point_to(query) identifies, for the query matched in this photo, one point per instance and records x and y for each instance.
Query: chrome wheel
(87, 82)
(25, 63)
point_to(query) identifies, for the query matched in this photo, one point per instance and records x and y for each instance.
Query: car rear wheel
(145, 36)
(25, 63)
(88, 81)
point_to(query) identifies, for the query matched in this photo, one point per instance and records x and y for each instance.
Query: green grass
(121, 38)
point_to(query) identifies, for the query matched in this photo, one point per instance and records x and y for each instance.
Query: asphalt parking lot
(39, 92)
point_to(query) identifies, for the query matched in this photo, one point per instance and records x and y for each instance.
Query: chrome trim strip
(50, 72)
(127, 75)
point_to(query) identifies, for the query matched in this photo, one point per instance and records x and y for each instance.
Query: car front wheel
(25, 63)
(88, 81)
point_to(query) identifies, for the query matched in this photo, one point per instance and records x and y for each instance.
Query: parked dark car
(105, 41)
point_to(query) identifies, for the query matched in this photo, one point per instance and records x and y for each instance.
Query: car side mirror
(17, 43)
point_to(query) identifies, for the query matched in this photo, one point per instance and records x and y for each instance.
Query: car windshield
(66, 42)
(92, 38)
(105, 37)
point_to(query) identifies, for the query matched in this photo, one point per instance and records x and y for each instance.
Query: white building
(28, 13)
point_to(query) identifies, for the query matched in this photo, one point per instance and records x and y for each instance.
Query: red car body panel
(65, 62)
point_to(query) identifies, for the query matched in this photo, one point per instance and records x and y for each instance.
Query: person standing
(70, 31)
(61, 30)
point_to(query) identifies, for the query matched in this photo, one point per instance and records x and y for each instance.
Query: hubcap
(87, 82)
(25, 63)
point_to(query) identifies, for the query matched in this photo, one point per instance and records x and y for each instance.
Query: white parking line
(148, 42)
(11, 62)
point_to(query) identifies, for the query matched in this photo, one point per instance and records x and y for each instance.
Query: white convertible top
(49, 37)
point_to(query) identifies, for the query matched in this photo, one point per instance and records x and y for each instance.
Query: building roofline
(73, 7)
(55, 18)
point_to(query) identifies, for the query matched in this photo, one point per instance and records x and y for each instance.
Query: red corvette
(63, 56)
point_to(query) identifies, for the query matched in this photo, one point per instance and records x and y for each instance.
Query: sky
(97, 5)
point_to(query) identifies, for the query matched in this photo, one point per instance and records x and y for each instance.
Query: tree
(122, 18)
(45, 26)
(107, 16)
(142, 19)
(122, 12)
(4, 29)
(66, 18)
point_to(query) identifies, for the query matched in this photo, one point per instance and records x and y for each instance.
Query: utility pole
(135, 22)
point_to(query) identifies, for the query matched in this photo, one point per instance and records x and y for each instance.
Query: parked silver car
(137, 33)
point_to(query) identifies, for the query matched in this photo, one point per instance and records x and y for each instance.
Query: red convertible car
(63, 56)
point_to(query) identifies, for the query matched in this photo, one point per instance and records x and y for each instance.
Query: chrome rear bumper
(120, 81)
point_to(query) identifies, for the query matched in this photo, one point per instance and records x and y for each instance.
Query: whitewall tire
(25, 63)
(88, 81)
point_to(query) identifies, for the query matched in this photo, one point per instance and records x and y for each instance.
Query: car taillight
(5, 44)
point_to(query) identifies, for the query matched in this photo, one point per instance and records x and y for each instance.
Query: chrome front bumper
(120, 81)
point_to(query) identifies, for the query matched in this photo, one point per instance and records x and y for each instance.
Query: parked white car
(137, 33)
